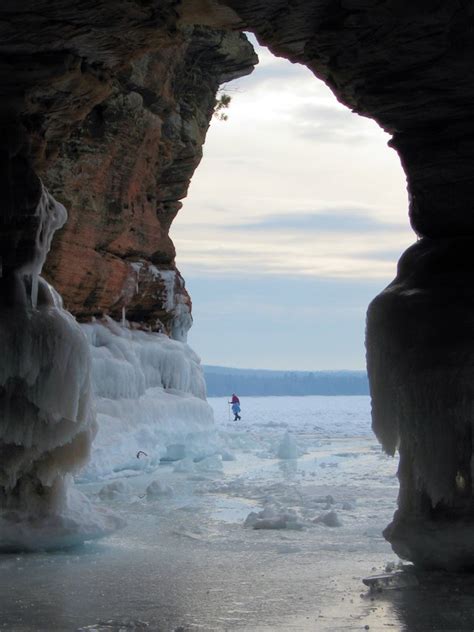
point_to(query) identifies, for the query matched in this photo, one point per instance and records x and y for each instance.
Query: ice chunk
(288, 448)
(73, 521)
(157, 489)
(184, 466)
(278, 522)
(390, 581)
(210, 464)
(251, 519)
(330, 519)
(115, 491)
(268, 518)
(227, 455)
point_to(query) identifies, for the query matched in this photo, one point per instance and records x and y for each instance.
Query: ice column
(420, 356)
(47, 418)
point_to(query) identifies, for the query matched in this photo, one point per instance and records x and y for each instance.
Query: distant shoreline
(222, 381)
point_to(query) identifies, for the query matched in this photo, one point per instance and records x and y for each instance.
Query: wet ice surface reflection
(186, 561)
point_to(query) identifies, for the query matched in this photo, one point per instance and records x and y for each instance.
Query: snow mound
(150, 397)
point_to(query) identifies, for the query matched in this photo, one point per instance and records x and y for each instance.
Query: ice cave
(105, 109)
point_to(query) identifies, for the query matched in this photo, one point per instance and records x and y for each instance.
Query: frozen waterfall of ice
(47, 417)
(61, 383)
(150, 397)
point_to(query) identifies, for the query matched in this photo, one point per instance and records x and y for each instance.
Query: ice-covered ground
(237, 539)
(242, 540)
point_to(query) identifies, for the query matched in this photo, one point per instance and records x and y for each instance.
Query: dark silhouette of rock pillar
(420, 357)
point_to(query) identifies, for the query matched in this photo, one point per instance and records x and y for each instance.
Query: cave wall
(99, 100)
(123, 171)
(113, 103)
(407, 66)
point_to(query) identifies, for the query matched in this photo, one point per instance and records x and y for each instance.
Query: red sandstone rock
(121, 176)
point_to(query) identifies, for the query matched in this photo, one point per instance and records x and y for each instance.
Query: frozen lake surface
(243, 542)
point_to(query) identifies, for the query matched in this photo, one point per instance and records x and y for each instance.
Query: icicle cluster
(150, 396)
(47, 418)
(420, 361)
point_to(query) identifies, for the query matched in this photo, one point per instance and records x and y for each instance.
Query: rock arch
(80, 79)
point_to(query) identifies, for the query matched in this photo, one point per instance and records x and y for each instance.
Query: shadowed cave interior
(104, 112)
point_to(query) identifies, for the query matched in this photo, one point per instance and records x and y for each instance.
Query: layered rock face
(81, 105)
(115, 110)
(122, 173)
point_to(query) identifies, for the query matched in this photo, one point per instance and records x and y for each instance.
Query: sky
(294, 221)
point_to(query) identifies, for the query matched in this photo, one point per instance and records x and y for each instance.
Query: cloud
(331, 220)
(331, 123)
(390, 255)
(337, 242)
(272, 69)
(278, 88)
(269, 198)
(272, 72)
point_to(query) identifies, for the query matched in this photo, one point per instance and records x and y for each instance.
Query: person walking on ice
(235, 401)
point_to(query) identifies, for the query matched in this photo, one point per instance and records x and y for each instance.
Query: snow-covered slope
(150, 397)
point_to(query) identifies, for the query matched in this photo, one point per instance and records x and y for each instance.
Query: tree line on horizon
(255, 383)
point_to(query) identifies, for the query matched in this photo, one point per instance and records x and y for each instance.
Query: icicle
(51, 216)
(124, 320)
(34, 290)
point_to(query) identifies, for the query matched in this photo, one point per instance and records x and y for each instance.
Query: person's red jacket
(235, 400)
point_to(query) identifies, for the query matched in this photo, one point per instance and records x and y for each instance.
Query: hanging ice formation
(420, 362)
(150, 396)
(47, 417)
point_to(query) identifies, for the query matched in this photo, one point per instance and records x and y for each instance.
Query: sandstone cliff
(122, 173)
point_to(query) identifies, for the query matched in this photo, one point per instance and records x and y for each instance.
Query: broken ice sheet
(390, 581)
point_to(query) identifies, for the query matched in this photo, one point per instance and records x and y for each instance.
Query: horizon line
(218, 366)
